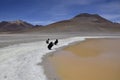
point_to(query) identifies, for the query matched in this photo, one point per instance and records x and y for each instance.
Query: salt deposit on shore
(19, 62)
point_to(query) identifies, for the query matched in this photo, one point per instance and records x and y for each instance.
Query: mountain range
(14, 26)
(81, 23)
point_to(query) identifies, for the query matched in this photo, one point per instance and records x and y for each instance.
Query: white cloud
(111, 7)
(110, 10)
(112, 17)
(63, 7)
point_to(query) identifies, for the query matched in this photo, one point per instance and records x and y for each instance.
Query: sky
(44, 12)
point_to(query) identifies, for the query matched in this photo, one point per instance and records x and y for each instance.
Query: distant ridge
(83, 23)
(16, 26)
(80, 23)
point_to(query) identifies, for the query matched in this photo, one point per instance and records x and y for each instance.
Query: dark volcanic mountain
(83, 23)
(14, 26)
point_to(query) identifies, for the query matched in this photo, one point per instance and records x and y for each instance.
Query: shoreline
(57, 53)
(49, 69)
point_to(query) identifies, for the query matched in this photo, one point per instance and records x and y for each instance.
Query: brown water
(95, 59)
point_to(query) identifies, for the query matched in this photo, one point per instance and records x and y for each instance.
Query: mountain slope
(83, 23)
(14, 26)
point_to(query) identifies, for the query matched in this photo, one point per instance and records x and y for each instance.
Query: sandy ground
(93, 59)
(11, 39)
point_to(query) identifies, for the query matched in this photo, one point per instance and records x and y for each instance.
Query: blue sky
(48, 11)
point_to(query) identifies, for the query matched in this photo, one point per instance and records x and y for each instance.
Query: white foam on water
(20, 62)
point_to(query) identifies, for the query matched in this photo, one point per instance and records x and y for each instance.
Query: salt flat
(19, 61)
